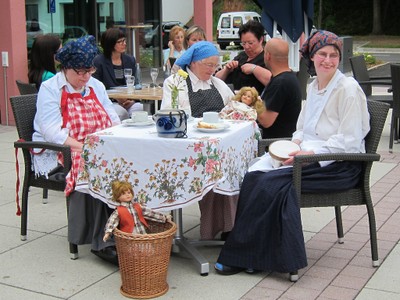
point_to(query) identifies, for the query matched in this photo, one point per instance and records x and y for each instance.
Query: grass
(378, 41)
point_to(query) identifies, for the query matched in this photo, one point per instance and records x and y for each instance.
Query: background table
(147, 96)
(168, 173)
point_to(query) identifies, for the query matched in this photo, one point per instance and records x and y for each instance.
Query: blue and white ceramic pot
(171, 123)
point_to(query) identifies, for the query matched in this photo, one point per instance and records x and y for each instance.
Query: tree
(376, 20)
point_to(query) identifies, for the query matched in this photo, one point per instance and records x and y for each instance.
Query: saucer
(130, 122)
(220, 126)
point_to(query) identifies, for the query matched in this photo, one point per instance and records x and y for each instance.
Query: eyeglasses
(121, 41)
(209, 65)
(82, 72)
(250, 43)
(324, 55)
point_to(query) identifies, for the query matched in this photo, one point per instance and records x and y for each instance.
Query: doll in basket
(245, 105)
(129, 216)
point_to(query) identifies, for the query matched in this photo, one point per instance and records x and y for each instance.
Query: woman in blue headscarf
(201, 91)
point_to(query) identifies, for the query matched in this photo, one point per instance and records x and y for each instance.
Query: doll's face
(126, 196)
(247, 98)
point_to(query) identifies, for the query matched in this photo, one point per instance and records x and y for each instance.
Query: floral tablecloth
(167, 173)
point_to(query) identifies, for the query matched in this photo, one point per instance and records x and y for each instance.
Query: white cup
(211, 117)
(140, 116)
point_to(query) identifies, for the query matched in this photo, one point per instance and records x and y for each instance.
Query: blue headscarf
(78, 54)
(196, 52)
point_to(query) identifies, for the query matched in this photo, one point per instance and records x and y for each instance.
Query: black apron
(204, 100)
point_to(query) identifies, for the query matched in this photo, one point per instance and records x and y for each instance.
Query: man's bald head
(278, 48)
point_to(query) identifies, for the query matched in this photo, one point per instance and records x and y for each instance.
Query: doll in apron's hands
(129, 216)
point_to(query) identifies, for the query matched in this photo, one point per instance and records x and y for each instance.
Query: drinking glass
(153, 75)
(130, 83)
(127, 72)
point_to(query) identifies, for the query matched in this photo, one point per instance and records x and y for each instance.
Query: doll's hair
(118, 188)
(256, 102)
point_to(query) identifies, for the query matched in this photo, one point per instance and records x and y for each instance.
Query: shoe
(108, 254)
(226, 270)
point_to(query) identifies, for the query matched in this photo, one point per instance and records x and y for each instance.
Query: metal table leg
(189, 245)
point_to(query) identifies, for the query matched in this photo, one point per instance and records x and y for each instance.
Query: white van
(228, 26)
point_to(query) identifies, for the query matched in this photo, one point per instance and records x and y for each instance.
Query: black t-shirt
(282, 95)
(239, 79)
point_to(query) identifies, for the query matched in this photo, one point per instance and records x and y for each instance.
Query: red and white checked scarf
(82, 116)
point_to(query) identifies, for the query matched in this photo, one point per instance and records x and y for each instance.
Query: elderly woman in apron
(267, 235)
(202, 92)
(70, 106)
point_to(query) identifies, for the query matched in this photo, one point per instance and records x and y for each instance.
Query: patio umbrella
(291, 18)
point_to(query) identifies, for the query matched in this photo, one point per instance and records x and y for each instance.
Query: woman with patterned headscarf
(267, 235)
(70, 106)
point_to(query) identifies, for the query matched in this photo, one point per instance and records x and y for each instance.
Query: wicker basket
(143, 260)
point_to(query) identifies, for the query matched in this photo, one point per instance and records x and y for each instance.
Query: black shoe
(227, 270)
(109, 254)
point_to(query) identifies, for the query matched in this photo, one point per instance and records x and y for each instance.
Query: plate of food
(211, 127)
(130, 122)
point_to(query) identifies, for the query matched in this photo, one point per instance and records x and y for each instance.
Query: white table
(168, 174)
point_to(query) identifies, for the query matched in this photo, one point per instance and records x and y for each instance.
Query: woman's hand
(74, 144)
(248, 68)
(171, 46)
(230, 66)
(290, 161)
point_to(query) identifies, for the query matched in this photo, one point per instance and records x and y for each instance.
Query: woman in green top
(42, 64)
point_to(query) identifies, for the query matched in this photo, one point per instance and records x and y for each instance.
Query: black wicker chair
(359, 195)
(360, 73)
(24, 109)
(26, 88)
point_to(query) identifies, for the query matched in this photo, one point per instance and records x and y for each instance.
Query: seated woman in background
(42, 65)
(193, 35)
(110, 68)
(268, 235)
(248, 67)
(176, 45)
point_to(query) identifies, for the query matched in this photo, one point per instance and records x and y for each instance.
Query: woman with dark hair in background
(110, 68)
(248, 68)
(42, 63)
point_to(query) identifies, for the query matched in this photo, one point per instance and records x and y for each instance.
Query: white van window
(237, 22)
(226, 22)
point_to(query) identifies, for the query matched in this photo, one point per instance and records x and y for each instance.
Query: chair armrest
(299, 160)
(387, 78)
(376, 82)
(65, 150)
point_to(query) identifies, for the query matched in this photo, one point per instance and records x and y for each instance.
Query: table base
(190, 245)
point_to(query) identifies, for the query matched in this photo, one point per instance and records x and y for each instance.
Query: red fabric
(126, 223)
(82, 116)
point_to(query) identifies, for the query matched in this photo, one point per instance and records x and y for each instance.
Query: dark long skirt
(87, 218)
(268, 233)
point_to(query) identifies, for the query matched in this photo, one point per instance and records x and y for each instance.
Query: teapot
(171, 123)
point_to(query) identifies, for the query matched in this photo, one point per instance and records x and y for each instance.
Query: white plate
(221, 127)
(129, 122)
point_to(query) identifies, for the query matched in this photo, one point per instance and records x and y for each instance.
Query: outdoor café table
(168, 173)
(147, 95)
